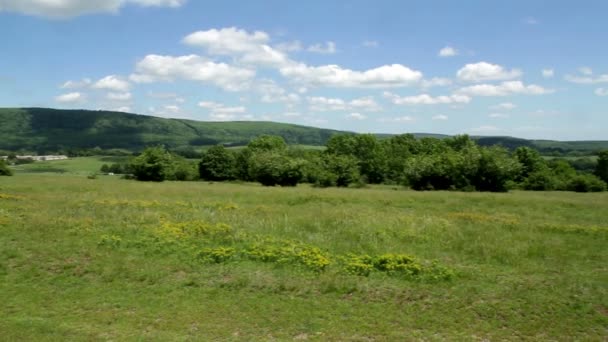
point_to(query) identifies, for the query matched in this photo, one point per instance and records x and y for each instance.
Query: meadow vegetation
(114, 259)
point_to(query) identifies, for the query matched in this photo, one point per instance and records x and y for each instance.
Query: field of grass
(72, 166)
(111, 259)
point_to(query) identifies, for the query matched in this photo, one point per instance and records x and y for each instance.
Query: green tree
(273, 168)
(601, 169)
(4, 169)
(217, 164)
(153, 164)
(530, 160)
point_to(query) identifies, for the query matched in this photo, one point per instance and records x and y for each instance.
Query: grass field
(111, 259)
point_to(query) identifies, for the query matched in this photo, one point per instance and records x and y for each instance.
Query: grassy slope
(529, 265)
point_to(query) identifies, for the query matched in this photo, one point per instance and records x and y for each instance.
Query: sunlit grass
(123, 260)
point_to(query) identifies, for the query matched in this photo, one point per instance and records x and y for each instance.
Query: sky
(529, 69)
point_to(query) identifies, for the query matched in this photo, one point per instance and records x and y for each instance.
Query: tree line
(455, 163)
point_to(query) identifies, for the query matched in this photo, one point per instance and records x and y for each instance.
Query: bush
(542, 180)
(586, 183)
(154, 164)
(217, 164)
(4, 169)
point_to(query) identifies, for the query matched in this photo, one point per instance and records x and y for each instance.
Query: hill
(45, 129)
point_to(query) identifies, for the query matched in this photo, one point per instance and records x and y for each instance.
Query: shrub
(217, 164)
(4, 169)
(586, 183)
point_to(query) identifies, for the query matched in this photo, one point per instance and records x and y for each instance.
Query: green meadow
(112, 259)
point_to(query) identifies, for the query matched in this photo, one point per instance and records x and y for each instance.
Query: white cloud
(370, 43)
(70, 98)
(440, 117)
(426, 99)
(85, 82)
(155, 68)
(356, 116)
(271, 92)
(291, 114)
(447, 51)
(587, 71)
(395, 75)
(498, 116)
(504, 89)
(249, 48)
(548, 73)
(587, 79)
(219, 112)
(324, 104)
(72, 8)
(328, 48)
(112, 82)
(504, 105)
(483, 71)
(119, 96)
(601, 92)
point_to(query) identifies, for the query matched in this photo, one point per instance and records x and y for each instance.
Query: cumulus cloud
(249, 48)
(73, 8)
(327, 48)
(156, 68)
(324, 104)
(119, 96)
(447, 51)
(271, 92)
(504, 89)
(356, 116)
(440, 117)
(548, 73)
(426, 99)
(483, 71)
(113, 83)
(70, 98)
(395, 75)
(601, 92)
(124, 109)
(220, 112)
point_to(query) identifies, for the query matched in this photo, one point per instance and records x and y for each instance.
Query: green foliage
(530, 160)
(586, 183)
(154, 164)
(217, 164)
(338, 170)
(601, 169)
(275, 168)
(267, 143)
(4, 169)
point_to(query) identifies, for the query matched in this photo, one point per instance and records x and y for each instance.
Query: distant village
(38, 158)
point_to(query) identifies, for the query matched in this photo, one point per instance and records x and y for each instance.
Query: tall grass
(89, 259)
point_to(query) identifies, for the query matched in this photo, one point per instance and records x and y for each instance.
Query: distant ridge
(46, 129)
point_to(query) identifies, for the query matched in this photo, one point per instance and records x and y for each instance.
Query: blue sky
(531, 69)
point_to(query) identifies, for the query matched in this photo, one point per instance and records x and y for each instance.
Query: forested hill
(50, 129)
(45, 129)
